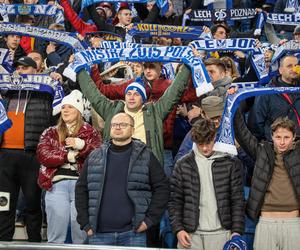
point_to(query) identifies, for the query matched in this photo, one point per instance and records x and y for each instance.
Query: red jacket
(52, 154)
(158, 88)
(81, 26)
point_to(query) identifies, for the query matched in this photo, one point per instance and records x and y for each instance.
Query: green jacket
(154, 113)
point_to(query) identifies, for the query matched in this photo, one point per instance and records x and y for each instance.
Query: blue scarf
(291, 46)
(180, 54)
(147, 30)
(34, 9)
(292, 6)
(242, 44)
(163, 5)
(6, 60)
(225, 137)
(119, 45)
(221, 15)
(66, 38)
(5, 123)
(37, 82)
(276, 18)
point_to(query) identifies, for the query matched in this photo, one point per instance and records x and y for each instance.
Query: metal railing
(48, 246)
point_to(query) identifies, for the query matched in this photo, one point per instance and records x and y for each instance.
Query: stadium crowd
(151, 123)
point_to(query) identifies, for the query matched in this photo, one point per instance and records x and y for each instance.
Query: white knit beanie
(74, 99)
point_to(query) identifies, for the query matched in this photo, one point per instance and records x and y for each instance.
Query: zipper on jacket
(133, 220)
(100, 198)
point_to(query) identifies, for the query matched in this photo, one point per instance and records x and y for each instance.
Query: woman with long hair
(230, 67)
(61, 151)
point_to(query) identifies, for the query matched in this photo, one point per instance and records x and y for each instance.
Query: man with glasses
(148, 117)
(122, 190)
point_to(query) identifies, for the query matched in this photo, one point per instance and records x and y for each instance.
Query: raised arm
(102, 105)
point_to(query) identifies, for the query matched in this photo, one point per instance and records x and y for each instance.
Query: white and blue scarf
(5, 123)
(292, 6)
(36, 82)
(119, 45)
(276, 18)
(6, 61)
(32, 9)
(292, 46)
(242, 44)
(225, 137)
(62, 37)
(147, 30)
(221, 15)
(179, 54)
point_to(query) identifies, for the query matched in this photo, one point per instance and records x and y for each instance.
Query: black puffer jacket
(264, 155)
(38, 116)
(185, 194)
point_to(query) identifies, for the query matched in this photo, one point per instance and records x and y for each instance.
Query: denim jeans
(60, 209)
(129, 239)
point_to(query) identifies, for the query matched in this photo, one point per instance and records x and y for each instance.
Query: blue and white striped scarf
(276, 18)
(225, 137)
(242, 44)
(5, 123)
(180, 54)
(36, 82)
(62, 37)
(32, 9)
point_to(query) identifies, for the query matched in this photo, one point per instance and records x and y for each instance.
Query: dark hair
(215, 61)
(215, 27)
(38, 52)
(203, 131)
(286, 56)
(283, 122)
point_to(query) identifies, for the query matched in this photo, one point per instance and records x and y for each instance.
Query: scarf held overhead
(225, 137)
(33, 9)
(147, 30)
(5, 123)
(37, 82)
(66, 38)
(221, 15)
(241, 44)
(179, 54)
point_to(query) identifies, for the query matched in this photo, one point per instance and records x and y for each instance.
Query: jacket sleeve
(189, 94)
(50, 154)
(244, 137)
(160, 192)
(101, 23)
(102, 105)
(237, 198)
(261, 112)
(82, 198)
(75, 20)
(111, 91)
(185, 147)
(165, 104)
(176, 202)
(92, 141)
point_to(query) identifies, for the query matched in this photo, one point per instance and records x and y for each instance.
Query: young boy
(206, 205)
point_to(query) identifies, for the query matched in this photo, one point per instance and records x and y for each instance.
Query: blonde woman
(62, 150)
(230, 67)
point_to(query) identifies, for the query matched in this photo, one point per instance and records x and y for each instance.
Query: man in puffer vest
(122, 190)
(206, 205)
